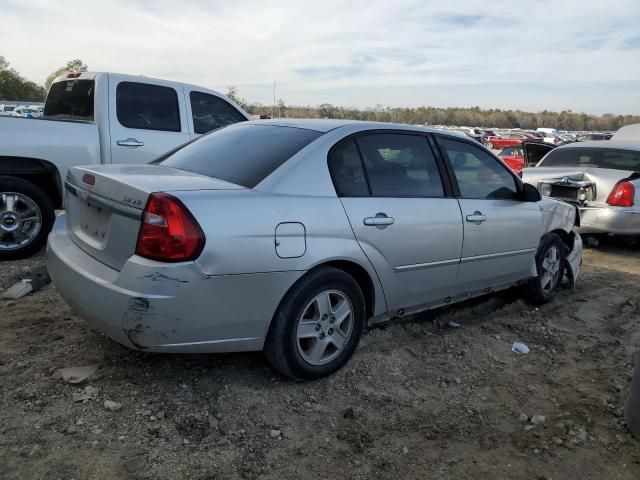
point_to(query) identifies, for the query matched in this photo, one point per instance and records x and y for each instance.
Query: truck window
(147, 107)
(70, 100)
(211, 112)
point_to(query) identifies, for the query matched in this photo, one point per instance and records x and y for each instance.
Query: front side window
(147, 107)
(478, 174)
(399, 165)
(210, 112)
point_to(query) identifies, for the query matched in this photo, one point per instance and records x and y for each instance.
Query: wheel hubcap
(550, 269)
(325, 327)
(20, 220)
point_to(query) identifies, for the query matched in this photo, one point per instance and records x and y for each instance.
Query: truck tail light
(622, 194)
(168, 232)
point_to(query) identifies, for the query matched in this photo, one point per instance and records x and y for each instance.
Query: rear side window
(147, 107)
(211, 112)
(244, 154)
(347, 172)
(400, 165)
(614, 159)
(70, 100)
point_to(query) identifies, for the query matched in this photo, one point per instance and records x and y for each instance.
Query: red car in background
(508, 140)
(513, 157)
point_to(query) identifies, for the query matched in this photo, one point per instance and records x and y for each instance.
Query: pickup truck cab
(93, 118)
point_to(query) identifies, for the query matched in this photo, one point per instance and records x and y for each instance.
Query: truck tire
(26, 218)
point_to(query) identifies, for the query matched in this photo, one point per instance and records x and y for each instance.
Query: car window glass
(347, 172)
(593, 157)
(243, 153)
(69, 100)
(400, 165)
(479, 175)
(507, 151)
(210, 112)
(147, 107)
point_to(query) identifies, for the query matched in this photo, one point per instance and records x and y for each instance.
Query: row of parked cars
(25, 111)
(286, 236)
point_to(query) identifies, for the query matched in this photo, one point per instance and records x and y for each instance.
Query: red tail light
(622, 194)
(169, 233)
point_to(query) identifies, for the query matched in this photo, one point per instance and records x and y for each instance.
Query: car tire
(550, 265)
(304, 345)
(23, 204)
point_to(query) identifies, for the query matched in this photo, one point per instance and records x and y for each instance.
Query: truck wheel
(550, 264)
(317, 326)
(26, 217)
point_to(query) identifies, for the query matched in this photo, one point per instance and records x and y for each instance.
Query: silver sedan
(601, 178)
(289, 236)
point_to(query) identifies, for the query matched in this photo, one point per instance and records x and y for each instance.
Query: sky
(580, 55)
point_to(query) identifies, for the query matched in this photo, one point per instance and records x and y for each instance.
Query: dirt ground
(420, 399)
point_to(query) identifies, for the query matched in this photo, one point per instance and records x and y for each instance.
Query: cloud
(357, 53)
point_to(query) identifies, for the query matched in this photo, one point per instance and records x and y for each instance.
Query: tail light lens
(168, 232)
(622, 194)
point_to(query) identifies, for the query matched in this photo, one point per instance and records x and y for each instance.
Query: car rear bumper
(164, 307)
(609, 220)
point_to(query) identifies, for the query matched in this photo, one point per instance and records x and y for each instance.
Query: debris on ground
(75, 374)
(38, 278)
(113, 406)
(520, 348)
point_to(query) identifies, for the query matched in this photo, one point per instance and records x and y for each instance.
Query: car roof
(604, 144)
(326, 125)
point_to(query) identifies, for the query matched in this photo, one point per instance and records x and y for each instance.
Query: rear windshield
(70, 100)
(615, 159)
(241, 154)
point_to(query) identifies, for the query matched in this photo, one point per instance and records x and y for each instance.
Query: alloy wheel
(324, 328)
(551, 269)
(20, 220)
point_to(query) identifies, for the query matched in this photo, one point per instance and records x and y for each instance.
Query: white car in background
(26, 112)
(6, 109)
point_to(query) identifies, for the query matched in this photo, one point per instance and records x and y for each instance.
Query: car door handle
(476, 218)
(130, 142)
(380, 220)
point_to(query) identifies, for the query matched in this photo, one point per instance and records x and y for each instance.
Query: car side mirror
(530, 193)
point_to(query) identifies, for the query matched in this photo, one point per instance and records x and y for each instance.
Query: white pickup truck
(92, 118)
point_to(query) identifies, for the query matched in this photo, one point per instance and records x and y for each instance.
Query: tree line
(14, 86)
(471, 116)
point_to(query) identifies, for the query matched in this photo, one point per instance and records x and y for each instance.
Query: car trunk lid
(105, 203)
(583, 186)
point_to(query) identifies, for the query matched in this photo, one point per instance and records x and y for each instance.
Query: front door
(501, 232)
(390, 186)
(146, 120)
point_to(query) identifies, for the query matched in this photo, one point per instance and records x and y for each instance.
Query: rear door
(147, 119)
(501, 232)
(409, 228)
